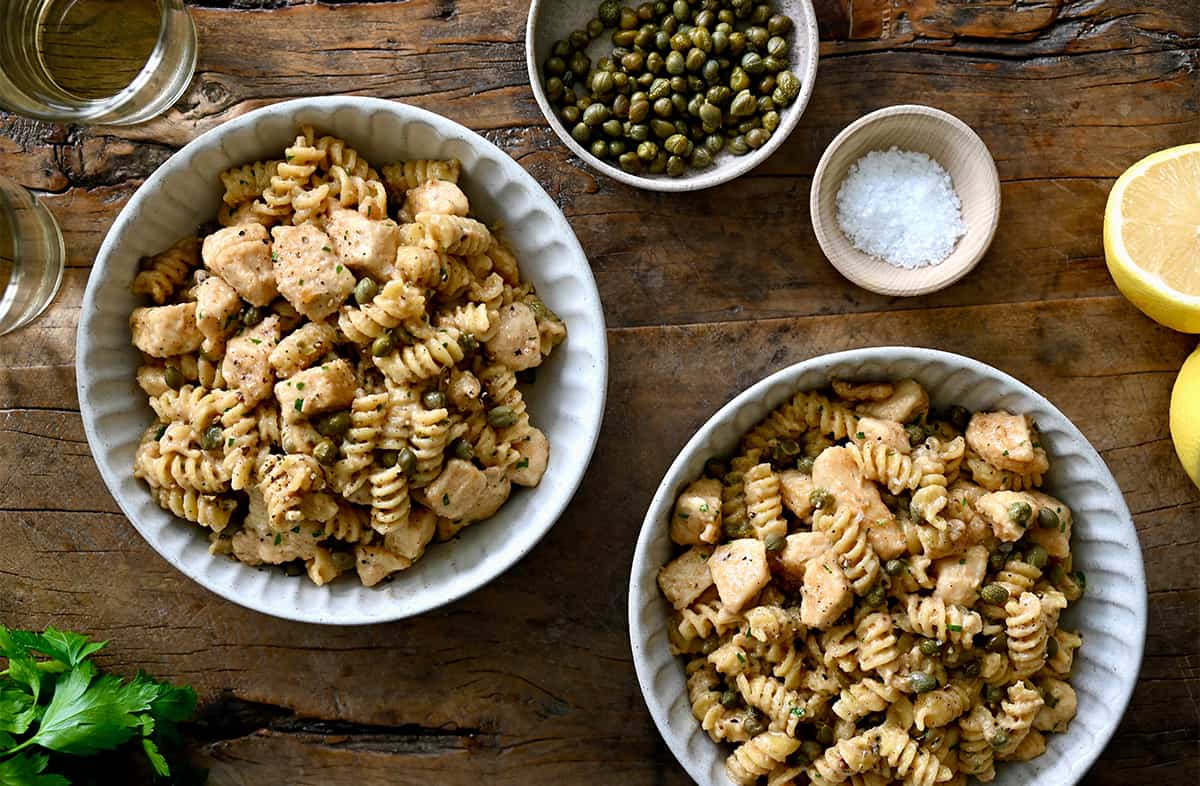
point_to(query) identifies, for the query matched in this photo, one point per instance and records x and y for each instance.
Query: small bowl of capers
(672, 95)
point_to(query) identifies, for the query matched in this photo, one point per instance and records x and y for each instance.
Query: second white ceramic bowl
(567, 401)
(1111, 616)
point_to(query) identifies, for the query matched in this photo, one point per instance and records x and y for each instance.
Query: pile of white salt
(900, 206)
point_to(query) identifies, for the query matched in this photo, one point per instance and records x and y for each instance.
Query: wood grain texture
(530, 679)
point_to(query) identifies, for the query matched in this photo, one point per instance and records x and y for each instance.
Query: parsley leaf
(63, 646)
(91, 713)
(25, 770)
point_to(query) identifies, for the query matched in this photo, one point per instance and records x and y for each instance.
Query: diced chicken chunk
(257, 542)
(826, 594)
(495, 492)
(963, 496)
(959, 576)
(217, 304)
(1060, 707)
(994, 509)
(535, 455)
(409, 541)
(1055, 540)
(308, 273)
(888, 433)
(697, 517)
(301, 348)
(1006, 441)
(796, 488)
(454, 492)
(376, 563)
(863, 391)
(686, 577)
(836, 471)
(247, 366)
(799, 549)
(907, 402)
(517, 343)
(739, 569)
(242, 256)
(316, 390)
(436, 196)
(163, 331)
(366, 246)
(886, 537)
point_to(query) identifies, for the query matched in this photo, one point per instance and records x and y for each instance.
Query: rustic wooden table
(530, 679)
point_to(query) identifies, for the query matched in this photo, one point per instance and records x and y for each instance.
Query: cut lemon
(1152, 236)
(1185, 416)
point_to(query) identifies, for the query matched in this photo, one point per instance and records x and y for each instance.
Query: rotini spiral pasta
(424, 359)
(863, 698)
(396, 303)
(764, 505)
(207, 510)
(352, 190)
(758, 756)
(403, 175)
(430, 436)
(1027, 634)
(785, 708)
(935, 619)
(246, 183)
(885, 465)
(163, 274)
(848, 535)
(390, 504)
(453, 234)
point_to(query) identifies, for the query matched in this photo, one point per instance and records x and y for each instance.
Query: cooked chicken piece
(410, 540)
(887, 538)
(308, 273)
(739, 569)
(959, 576)
(800, 548)
(863, 391)
(376, 563)
(366, 246)
(963, 496)
(242, 256)
(301, 348)
(1006, 441)
(257, 542)
(217, 304)
(907, 401)
(436, 196)
(495, 492)
(1056, 540)
(686, 577)
(163, 331)
(464, 390)
(1060, 707)
(535, 455)
(836, 471)
(888, 433)
(996, 508)
(456, 491)
(313, 391)
(517, 343)
(247, 365)
(796, 488)
(697, 517)
(826, 594)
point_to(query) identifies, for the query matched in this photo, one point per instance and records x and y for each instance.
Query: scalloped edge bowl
(567, 402)
(1111, 616)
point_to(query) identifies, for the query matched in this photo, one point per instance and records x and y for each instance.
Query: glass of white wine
(94, 61)
(31, 257)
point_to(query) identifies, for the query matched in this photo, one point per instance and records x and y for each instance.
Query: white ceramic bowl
(567, 401)
(1111, 615)
(553, 20)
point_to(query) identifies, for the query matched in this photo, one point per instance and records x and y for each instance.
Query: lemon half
(1185, 416)
(1152, 236)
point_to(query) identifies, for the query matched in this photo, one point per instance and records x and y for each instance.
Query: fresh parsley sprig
(54, 700)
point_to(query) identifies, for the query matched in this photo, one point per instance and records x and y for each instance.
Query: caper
(993, 694)
(678, 144)
(622, 39)
(501, 416)
(596, 114)
(388, 458)
(1037, 556)
(754, 725)
(212, 438)
(1004, 548)
(173, 378)
(681, 10)
(773, 66)
(675, 166)
(655, 63)
(779, 24)
(694, 60)
(594, 28)
(714, 143)
(930, 647)
(894, 567)
(743, 104)
(554, 66)
(334, 424)
(735, 529)
(581, 133)
(694, 104)
(757, 137)
(994, 594)
(997, 643)
(715, 468)
(600, 148)
(775, 542)
(705, 18)
(639, 110)
(824, 733)
(787, 87)
(805, 464)
(996, 560)
(777, 46)
(633, 62)
(602, 82)
(720, 42)
(662, 43)
(710, 116)
(434, 399)
(612, 127)
(679, 83)
(382, 345)
(663, 107)
(711, 72)
(972, 669)
(639, 132)
(681, 42)
(554, 88)
(1048, 519)
(570, 115)
(737, 43)
(629, 162)
(679, 104)
(753, 64)
(580, 63)
(998, 740)
(661, 128)
(609, 12)
(1057, 574)
(365, 290)
(645, 12)
(729, 698)
(876, 596)
(761, 13)
(811, 750)
(920, 682)
(461, 449)
(643, 41)
(739, 80)
(746, 126)
(578, 39)
(252, 315)
(821, 499)
(1019, 513)
(326, 451)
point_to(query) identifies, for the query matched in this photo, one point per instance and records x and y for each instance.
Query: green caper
(998, 740)
(406, 460)
(612, 127)
(1051, 647)
(787, 87)
(681, 10)
(972, 669)
(997, 560)
(1019, 513)
(994, 594)
(388, 458)
(501, 416)
(777, 46)
(629, 162)
(805, 464)
(609, 12)
(714, 143)
(770, 121)
(578, 39)
(711, 72)
(729, 698)
(173, 378)
(1037, 556)
(752, 64)
(594, 28)
(622, 39)
(468, 343)
(773, 66)
(894, 567)
(930, 647)
(365, 290)
(710, 117)
(252, 315)
(383, 345)
(595, 115)
(993, 694)
(554, 88)
(661, 128)
(779, 24)
(679, 84)
(602, 82)
(694, 60)
(335, 424)
(876, 596)
(633, 62)
(760, 14)
(997, 643)
(663, 107)
(735, 529)
(639, 110)
(959, 417)
(580, 63)
(821, 499)
(681, 42)
(434, 399)
(555, 66)
(811, 750)
(1048, 519)
(627, 18)
(581, 133)
(674, 63)
(655, 63)
(638, 132)
(678, 144)
(775, 543)
(212, 438)
(326, 451)
(737, 43)
(757, 137)
(920, 682)
(720, 42)
(754, 725)
(647, 151)
(743, 104)
(715, 468)
(676, 166)
(679, 105)
(739, 80)
(824, 733)
(570, 115)
(342, 560)
(599, 148)
(461, 449)
(645, 12)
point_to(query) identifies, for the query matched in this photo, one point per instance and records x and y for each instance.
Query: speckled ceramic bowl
(1111, 616)
(567, 401)
(553, 20)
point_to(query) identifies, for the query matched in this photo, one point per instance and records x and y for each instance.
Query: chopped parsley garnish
(278, 538)
(684, 516)
(328, 250)
(523, 463)
(256, 341)
(338, 269)
(799, 712)
(860, 435)
(299, 386)
(299, 405)
(445, 499)
(296, 528)
(955, 628)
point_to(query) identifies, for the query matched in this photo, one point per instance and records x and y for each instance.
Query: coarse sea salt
(900, 206)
